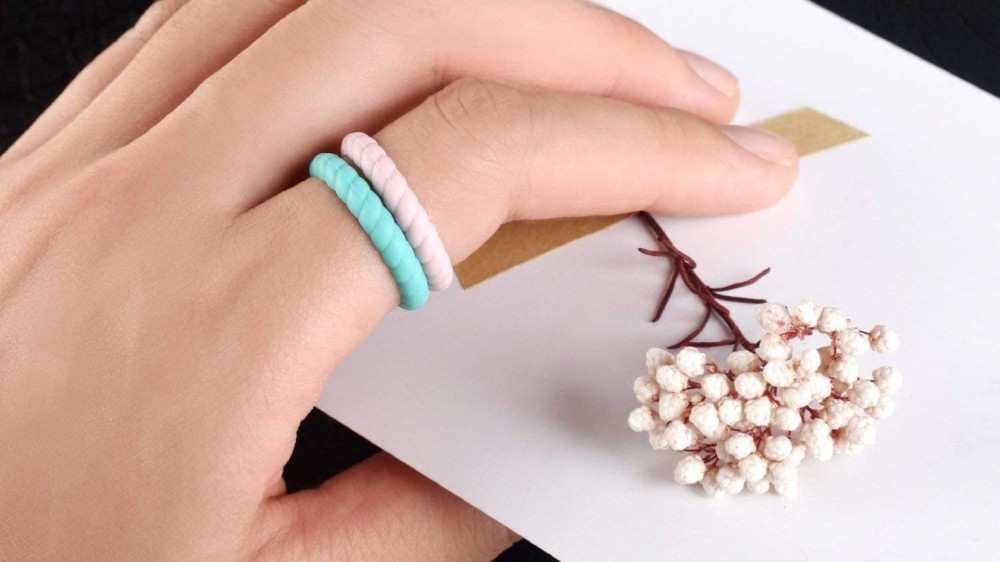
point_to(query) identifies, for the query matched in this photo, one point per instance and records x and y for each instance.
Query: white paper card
(514, 394)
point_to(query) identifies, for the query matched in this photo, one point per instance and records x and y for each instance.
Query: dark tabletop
(44, 43)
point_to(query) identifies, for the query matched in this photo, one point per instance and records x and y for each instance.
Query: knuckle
(484, 111)
(483, 129)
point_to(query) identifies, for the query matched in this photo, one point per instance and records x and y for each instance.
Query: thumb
(381, 510)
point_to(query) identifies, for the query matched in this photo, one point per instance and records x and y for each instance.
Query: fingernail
(716, 76)
(768, 146)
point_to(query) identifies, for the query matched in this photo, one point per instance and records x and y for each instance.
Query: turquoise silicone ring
(378, 223)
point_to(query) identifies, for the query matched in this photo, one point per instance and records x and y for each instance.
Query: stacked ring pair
(388, 211)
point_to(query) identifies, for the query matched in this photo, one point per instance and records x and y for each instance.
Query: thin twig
(694, 334)
(656, 253)
(741, 284)
(744, 300)
(683, 268)
(666, 295)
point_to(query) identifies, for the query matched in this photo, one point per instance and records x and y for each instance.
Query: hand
(172, 302)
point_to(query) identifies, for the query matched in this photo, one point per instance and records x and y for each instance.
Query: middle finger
(338, 65)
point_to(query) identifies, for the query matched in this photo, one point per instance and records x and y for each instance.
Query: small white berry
(778, 373)
(815, 435)
(742, 361)
(806, 314)
(749, 385)
(714, 386)
(730, 479)
(837, 413)
(883, 340)
(844, 369)
(671, 379)
(739, 445)
(819, 385)
(774, 318)
(758, 411)
(888, 379)
(658, 437)
(641, 419)
(787, 419)
(672, 406)
(753, 467)
(831, 320)
(711, 485)
(797, 455)
(865, 394)
(858, 434)
(759, 486)
(861, 431)
(850, 341)
(796, 396)
(730, 410)
(722, 453)
(809, 361)
(774, 348)
(689, 470)
(646, 390)
(885, 407)
(823, 449)
(705, 418)
(679, 435)
(691, 361)
(785, 477)
(777, 447)
(656, 358)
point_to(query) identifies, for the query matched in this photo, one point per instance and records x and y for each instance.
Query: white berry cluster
(751, 424)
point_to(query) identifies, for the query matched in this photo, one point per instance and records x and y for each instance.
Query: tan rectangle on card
(810, 131)
(517, 242)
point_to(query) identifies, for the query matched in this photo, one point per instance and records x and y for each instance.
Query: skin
(175, 290)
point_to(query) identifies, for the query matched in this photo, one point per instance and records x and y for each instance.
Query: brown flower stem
(707, 344)
(666, 295)
(701, 326)
(772, 392)
(683, 268)
(744, 300)
(742, 284)
(655, 253)
(663, 240)
(698, 287)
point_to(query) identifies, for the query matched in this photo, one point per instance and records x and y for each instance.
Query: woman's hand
(172, 302)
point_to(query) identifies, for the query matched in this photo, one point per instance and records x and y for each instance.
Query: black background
(44, 43)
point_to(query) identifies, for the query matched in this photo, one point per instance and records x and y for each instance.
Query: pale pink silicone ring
(389, 184)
